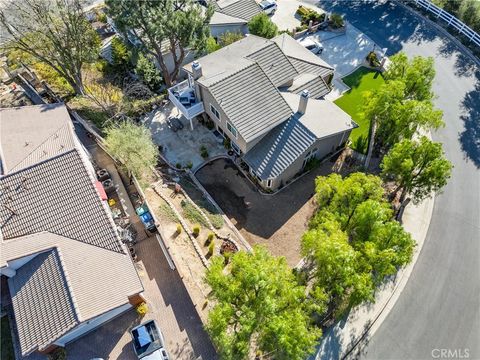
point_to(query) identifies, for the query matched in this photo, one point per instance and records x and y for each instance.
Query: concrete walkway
(364, 320)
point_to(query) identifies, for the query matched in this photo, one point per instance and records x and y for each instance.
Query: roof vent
(196, 70)
(302, 105)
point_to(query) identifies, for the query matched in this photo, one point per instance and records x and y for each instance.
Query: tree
(353, 244)
(418, 168)
(211, 45)
(175, 24)
(261, 25)
(132, 145)
(378, 106)
(148, 72)
(55, 32)
(259, 308)
(417, 74)
(120, 54)
(406, 119)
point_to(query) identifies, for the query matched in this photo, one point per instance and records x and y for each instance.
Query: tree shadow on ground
(470, 137)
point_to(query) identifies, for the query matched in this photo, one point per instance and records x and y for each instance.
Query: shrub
(216, 220)
(211, 45)
(211, 247)
(302, 11)
(210, 238)
(178, 165)
(203, 152)
(196, 230)
(189, 165)
(301, 28)
(226, 256)
(373, 59)
(261, 25)
(227, 143)
(142, 308)
(229, 38)
(336, 21)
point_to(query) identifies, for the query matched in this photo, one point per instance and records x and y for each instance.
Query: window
(232, 129)
(215, 111)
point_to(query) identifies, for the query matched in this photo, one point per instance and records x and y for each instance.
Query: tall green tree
(148, 72)
(177, 25)
(407, 118)
(262, 25)
(259, 308)
(419, 167)
(120, 53)
(132, 145)
(55, 32)
(417, 74)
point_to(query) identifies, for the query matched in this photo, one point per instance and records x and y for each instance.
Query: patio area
(182, 146)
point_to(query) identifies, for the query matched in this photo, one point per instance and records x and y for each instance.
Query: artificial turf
(359, 81)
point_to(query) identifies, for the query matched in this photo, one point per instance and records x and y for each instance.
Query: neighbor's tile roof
(56, 195)
(243, 9)
(279, 149)
(303, 66)
(251, 102)
(98, 279)
(275, 64)
(23, 142)
(43, 307)
(219, 18)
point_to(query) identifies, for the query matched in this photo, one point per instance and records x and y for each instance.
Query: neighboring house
(267, 97)
(232, 16)
(68, 272)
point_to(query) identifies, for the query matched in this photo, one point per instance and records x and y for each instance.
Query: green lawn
(359, 81)
(6, 345)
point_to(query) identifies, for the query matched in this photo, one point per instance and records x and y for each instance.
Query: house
(68, 272)
(232, 16)
(267, 98)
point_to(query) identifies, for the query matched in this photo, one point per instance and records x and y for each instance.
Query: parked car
(312, 45)
(269, 6)
(174, 123)
(148, 342)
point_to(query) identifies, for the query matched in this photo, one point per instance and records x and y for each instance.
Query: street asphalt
(438, 313)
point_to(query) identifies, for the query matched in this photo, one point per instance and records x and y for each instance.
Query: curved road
(440, 305)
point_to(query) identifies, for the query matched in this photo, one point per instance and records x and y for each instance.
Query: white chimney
(302, 106)
(196, 70)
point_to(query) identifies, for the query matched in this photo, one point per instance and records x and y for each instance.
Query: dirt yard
(276, 221)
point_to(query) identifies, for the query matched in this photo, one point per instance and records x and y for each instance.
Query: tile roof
(303, 66)
(316, 86)
(56, 195)
(251, 101)
(243, 9)
(24, 143)
(219, 18)
(98, 279)
(275, 64)
(43, 307)
(279, 149)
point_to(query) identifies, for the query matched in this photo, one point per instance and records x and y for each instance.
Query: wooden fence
(450, 20)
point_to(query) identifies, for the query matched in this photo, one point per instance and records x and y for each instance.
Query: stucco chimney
(196, 70)
(302, 105)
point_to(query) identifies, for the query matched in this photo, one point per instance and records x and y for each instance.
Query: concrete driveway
(439, 307)
(183, 146)
(285, 17)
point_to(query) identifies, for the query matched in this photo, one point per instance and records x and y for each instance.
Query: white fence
(449, 19)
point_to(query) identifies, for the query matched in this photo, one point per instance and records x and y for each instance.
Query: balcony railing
(183, 97)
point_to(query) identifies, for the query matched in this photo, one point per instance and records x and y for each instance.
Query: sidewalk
(341, 341)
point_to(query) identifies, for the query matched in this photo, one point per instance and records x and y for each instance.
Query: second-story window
(232, 129)
(215, 112)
